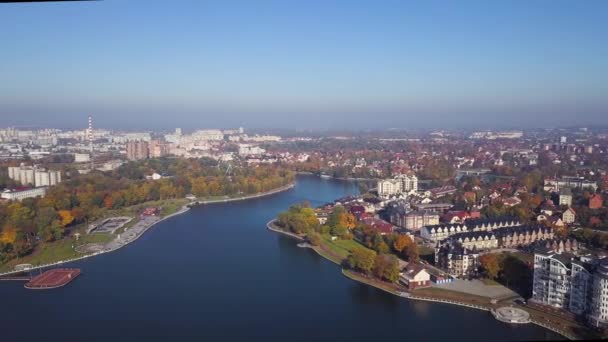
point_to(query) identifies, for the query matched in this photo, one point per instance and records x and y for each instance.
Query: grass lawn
(49, 252)
(45, 253)
(340, 247)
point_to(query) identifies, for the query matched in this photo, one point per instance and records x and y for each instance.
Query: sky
(311, 64)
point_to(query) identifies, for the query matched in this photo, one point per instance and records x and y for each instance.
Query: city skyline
(335, 65)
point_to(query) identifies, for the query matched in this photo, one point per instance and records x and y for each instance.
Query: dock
(52, 279)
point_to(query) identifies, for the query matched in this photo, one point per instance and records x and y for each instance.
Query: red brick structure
(596, 201)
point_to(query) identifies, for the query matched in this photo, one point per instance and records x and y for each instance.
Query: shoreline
(346, 274)
(247, 197)
(337, 178)
(186, 207)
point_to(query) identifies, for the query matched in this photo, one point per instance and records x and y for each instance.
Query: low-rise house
(511, 201)
(569, 216)
(380, 225)
(19, 194)
(415, 276)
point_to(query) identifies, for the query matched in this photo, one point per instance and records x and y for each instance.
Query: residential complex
(401, 184)
(573, 283)
(34, 175)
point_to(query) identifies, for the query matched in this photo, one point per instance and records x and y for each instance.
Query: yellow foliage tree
(402, 242)
(8, 235)
(66, 217)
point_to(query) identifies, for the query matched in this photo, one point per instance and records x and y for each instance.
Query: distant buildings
(158, 148)
(34, 175)
(556, 184)
(398, 185)
(137, 150)
(249, 150)
(489, 135)
(82, 157)
(575, 284)
(21, 194)
(565, 197)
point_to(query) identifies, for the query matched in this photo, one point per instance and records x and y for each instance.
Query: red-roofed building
(357, 211)
(456, 216)
(381, 226)
(414, 276)
(596, 201)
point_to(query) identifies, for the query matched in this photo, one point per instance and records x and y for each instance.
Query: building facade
(443, 231)
(456, 260)
(576, 284)
(398, 185)
(20, 195)
(137, 150)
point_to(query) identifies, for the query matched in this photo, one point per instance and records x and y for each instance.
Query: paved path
(477, 287)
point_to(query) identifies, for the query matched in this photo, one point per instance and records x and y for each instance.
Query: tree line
(83, 198)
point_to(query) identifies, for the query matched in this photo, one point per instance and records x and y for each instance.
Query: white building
(246, 150)
(34, 175)
(576, 284)
(398, 185)
(598, 311)
(82, 157)
(23, 194)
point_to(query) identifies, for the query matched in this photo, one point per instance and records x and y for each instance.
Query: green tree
(361, 259)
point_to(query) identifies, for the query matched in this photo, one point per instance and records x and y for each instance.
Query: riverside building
(399, 185)
(576, 284)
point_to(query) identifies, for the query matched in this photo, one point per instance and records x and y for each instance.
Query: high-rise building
(137, 150)
(576, 284)
(158, 148)
(34, 175)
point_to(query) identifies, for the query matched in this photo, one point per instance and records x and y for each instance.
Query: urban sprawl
(448, 205)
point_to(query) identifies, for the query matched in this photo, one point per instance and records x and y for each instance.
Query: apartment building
(572, 283)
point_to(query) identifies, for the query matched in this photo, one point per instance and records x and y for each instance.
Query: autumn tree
(361, 259)
(66, 217)
(490, 265)
(386, 267)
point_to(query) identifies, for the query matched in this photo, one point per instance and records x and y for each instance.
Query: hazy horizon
(318, 65)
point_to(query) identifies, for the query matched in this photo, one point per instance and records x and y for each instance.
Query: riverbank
(247, 197)
(336, 178)
(573, 331)
(138, 229)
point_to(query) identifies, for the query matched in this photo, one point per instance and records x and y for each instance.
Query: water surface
(215, 273)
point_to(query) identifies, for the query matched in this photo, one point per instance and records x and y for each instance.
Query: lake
(216, 273)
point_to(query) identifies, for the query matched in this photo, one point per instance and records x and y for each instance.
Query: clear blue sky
(308, 64)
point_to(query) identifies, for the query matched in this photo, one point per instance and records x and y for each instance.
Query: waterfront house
(415, 276)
